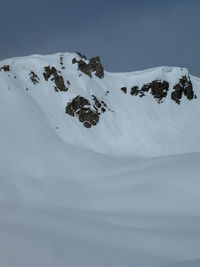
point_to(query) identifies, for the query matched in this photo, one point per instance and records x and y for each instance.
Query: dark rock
(157, 88)
(85, 68)
(183, 87)
(176, 95)
(61, 62)
(96, 101)
(94, 65)
(124, 89)
(81, 55)
(145, 87)
(80, 102)
(34, 78)
(74, 61)
(134, 90)
(81, 108)
(5, 68)
(142, 94)
(86, 124)
(107, 92)
(69, 109)
(104, 104)
(88, 115)
(56, 78)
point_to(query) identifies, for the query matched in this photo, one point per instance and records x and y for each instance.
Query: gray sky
(128, 35)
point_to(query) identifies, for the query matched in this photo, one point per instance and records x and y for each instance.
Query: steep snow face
(147, 113)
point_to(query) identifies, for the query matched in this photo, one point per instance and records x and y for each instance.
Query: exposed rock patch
(61, 62)
(81, 108)
(5, 68)
(81, 55)
(94, 65)
(134, 90)
(157, 88)
(99, 105)
(33, 77)
(183, 87)
(84, 67)
(124, 89)
(56, 78)
(107, 92)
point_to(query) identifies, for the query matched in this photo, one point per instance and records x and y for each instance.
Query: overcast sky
(128, 35)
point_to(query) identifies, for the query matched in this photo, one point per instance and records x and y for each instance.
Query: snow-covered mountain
(98, 168)
(153, 112)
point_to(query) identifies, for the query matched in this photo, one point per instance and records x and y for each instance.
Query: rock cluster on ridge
(93, 65)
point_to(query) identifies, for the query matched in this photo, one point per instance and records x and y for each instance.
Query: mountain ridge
(119, 108)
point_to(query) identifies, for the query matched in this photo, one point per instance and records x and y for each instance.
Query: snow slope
(75, 196)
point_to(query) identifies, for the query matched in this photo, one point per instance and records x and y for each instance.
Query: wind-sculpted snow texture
(98, 168)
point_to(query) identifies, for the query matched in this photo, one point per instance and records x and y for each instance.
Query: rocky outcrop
(56, 78)
(81, 55)
(61, 62)
(157, 88)
(89, 66)
(99, 105)
(134, 90)
(83, 67)
(124, 89)
(82, 109)
(184, 87)
(33, 77)
(5, 68)
(96, 66)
